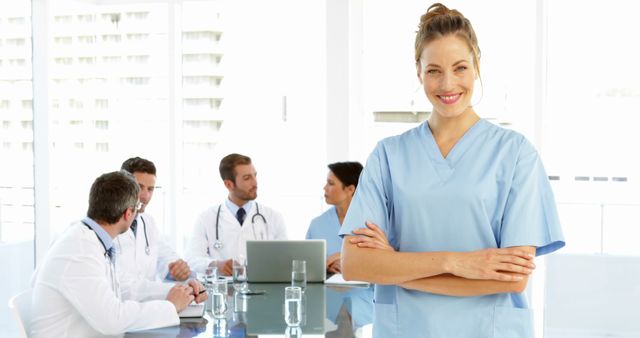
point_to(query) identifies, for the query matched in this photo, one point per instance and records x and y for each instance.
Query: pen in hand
(202, 291)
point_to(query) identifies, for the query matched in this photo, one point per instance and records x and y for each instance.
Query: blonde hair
(440, 21)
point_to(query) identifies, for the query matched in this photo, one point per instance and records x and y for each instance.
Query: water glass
(211, 272)
(219, 298)
(299, 273)
(293, 305)
(208, 303)
(240, 274)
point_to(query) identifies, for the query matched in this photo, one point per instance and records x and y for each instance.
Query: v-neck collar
(457, 150)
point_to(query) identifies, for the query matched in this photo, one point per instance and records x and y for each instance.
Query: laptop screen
(270, 261)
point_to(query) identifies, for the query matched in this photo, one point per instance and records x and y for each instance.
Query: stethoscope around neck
(218, 243)
(147, 249)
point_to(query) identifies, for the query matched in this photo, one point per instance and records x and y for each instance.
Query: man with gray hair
(76, 292)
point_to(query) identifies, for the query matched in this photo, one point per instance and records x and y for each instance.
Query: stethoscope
(218, 243)
(147, 249)
(115, 286)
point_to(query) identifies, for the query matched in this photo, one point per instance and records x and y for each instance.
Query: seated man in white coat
(76, 292)
(221, 231)
(141, 252)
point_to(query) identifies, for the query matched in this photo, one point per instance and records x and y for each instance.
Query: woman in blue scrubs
(342, 181)
(455, 209)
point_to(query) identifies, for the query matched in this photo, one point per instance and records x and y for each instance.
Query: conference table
(327, 311)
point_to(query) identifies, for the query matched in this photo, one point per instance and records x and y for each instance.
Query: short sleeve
(531, 217)
(370, 202)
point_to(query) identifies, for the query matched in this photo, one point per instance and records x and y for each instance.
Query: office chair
(20, 305)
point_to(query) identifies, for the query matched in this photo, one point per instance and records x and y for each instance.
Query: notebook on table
(270, 261)
(193, 310)
(338, 280)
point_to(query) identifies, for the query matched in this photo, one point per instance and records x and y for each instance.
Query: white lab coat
(201, 250)
(134, 264)
(75, 293)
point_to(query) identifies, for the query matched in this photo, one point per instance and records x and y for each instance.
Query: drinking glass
(219, 298)
(240, 274)
(208, 304)
(293, 305)
(211, 272)
(299, 273)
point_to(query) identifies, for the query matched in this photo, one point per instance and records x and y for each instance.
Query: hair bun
(439, 21)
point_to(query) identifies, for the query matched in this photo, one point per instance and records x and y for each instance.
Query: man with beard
(221, 231)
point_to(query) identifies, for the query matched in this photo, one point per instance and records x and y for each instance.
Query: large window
(183, 84)
(16, 153)
(16, 128)
(109, 96)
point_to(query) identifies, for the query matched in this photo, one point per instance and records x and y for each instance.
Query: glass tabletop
(327, 311)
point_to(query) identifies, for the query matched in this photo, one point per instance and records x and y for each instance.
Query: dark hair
(228, 165)
(441, 21)
(347, 172)
(111, 194)
(139, 165)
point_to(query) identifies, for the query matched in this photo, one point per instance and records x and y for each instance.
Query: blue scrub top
(326, 226)
(491, 191)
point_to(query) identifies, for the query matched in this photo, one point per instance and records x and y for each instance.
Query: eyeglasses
(137, 207)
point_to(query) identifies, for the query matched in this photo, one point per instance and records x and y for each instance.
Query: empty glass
(299, 273)
(293, 305)
(240, 274)
(219, 298)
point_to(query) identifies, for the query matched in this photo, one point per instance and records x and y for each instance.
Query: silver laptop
(270, 261)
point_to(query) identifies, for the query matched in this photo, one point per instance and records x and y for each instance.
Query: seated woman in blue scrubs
(448, 216)
(342, 181)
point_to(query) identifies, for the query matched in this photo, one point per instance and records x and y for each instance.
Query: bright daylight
(324, 168)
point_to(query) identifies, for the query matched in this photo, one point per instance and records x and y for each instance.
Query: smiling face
(147, 183)
(447, 73)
